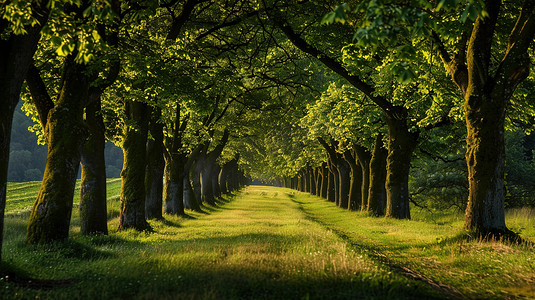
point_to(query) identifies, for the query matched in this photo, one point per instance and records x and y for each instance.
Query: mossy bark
(355, 192)
(93, 211)
(401, 144)
(363, 158)
(318, 178)
(486, 98)
(189, 193)
(174, 182)
(155, 168)
(133, 174)
(485, 157)
(206, 183)
(344, 183)
(223, 181)
(324, 180)
(66, 132)
(215, 181)
(195, 182)
(312, 180)
(377, 191)
(331, 185)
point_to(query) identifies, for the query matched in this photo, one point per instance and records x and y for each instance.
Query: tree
(18, 43)
(63, 123)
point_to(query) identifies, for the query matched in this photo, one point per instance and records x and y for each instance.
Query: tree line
(336, 99)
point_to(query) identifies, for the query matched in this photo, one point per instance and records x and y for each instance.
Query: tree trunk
(66, 132)
(133, 174)
(355, 193)
(400, 147)
(312, 180)
(223, 181)
(196, 181)
(317, 178)
(155, 168)
(189, 194)
(363, 158)
(486, 98)
(206, 183)
(174, 182)
(377, 191)
(93, 210)
(485, 156)
(215, 181)
(324, 180)
(345, 182)
(331, 185)
(17, 52)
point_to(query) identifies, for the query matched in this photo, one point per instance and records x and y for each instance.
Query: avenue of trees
(372, 105)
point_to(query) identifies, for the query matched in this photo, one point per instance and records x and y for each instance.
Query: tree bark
(317, 178)
(486, 97)
(209, 167)
(312, 180)
(377, 191)
(133, 174)
(401, 144)
(331, 185)
(363, 157)
(16, 56)
(155, 168)
(93, 210)
(344, 183)
(324, 180)
(173, 184)
(215, 181)
(355, 193)
(195, 180)
(66, 132)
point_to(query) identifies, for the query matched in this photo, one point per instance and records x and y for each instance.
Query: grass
(21, 195)
(435, 246)
(268, 242)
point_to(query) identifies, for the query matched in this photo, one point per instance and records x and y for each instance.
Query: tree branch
(331, 63)
(39, 94)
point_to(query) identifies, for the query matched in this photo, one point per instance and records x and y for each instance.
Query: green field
(268, 242)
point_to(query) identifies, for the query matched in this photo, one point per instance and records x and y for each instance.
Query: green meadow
(265, 243)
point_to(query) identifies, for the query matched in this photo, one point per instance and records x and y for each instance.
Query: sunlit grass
(22, 195)
(269, 242)
(258, 244)
(436, 246)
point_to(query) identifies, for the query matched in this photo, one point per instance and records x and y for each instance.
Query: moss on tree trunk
(363, 158)
(485, 157)
(401, 144)
(377, 191)
(215, 181)
(93, 212)
(355, 193)
(51, 214)
(133, 174)
(174, 181)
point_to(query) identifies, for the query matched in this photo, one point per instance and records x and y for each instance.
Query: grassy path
(259, 245)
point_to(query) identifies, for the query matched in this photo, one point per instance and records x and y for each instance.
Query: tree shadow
(16, 276)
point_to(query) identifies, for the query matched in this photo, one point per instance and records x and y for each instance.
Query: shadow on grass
(375, 253)
(232, 281)
(12, 275)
